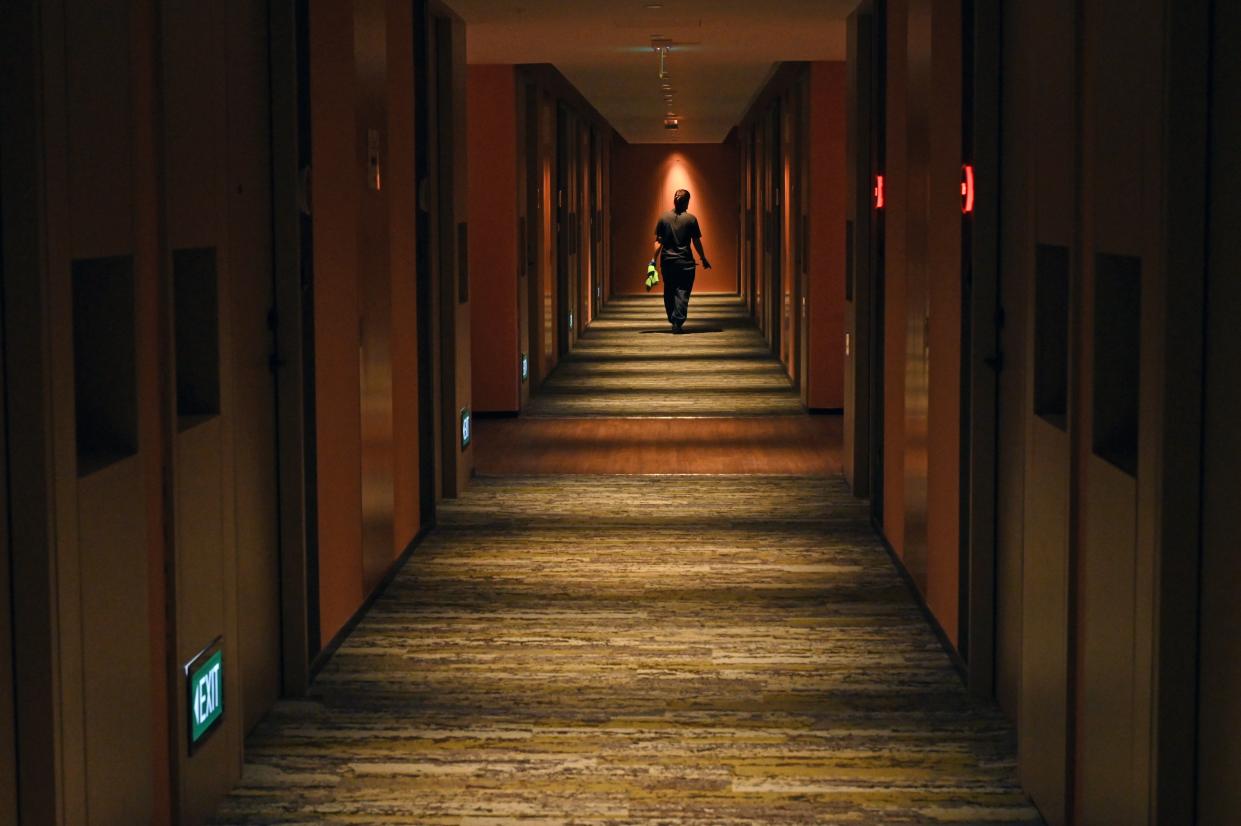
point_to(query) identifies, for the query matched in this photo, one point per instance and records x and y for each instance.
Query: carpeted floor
(595, 649)
(628, 363)
(674, 649)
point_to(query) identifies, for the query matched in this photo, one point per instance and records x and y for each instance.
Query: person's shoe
(676, 328)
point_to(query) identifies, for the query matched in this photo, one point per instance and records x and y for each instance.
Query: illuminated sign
(466, 428)
(967, 189)
(570, 321)
(525, 367)
(878, 192)
(204, 683)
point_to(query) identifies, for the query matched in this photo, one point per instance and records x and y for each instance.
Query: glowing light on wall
(879, 200)
(967, 189)
(676, 177)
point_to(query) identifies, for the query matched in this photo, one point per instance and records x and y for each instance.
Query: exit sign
(204, 683)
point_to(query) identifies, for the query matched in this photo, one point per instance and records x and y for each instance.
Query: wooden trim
(1186, 167)
(324, 656)
(293, 268)
(980, 360)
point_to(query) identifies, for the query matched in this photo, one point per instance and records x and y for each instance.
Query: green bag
(652, 276)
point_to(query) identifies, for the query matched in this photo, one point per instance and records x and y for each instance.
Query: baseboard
(324, 656)
(953, 655)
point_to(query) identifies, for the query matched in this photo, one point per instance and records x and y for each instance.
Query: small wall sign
(525, 367)
(466, 427)
(204, 685)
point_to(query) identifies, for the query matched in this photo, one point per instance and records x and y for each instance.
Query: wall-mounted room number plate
(204, 684)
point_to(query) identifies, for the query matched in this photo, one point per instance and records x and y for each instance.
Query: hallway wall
(140, 399)
(364, 246)
(792, 224)
(826, 214)
(644, 178)
(564, 150)
(922, 299)
(494, 268)
(1097, 311)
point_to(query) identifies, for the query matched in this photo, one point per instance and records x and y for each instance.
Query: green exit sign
(204, 683)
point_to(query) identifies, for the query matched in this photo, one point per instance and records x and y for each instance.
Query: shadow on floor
(685, 331)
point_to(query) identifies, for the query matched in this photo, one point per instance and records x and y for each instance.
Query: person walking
(674, 233)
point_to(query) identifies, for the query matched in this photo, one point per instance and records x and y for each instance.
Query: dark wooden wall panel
(1122, 75)
(8, 710)
(916, 195)
(335, 188)
(496, 254)
(204, 505)
(943, 327)
(1219, 670)
(859, 215)
(249, 259)
(373, 270)
(896, 262)
(825, 235)
(1047, 70)
(401, 185)
(1016, 276)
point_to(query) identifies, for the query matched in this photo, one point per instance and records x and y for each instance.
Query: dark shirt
(675, 231)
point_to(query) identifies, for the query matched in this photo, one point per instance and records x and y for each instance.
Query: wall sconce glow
(525, 367)
(879, 192)
(467, 427)
(967, 189)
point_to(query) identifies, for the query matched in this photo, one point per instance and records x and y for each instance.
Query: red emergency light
(878, 192)
(967, 189)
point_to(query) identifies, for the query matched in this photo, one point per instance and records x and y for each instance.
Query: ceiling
(722, 52)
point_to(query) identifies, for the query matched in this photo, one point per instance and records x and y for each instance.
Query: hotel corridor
(623, 648)
(350, 473)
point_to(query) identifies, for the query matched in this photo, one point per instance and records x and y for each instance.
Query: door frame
(293, 272)
(981, 358)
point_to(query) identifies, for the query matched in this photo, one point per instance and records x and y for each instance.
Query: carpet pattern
(607, 650)
(628, 363)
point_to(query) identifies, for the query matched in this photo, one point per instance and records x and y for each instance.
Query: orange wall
(337, 187)
(644, 177)
(402, 206)
(827, 235)
(337, 409)
(492, 147)
(944, 293)
(922, 283)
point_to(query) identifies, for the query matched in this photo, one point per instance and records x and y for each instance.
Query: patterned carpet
(606, 650)
(628, 363)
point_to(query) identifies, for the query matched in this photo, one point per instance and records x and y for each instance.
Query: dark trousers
(678, 284)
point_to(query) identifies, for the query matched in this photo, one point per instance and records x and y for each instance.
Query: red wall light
(878, 192)
(967, 189)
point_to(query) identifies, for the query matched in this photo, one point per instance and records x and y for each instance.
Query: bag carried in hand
(652, 276)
